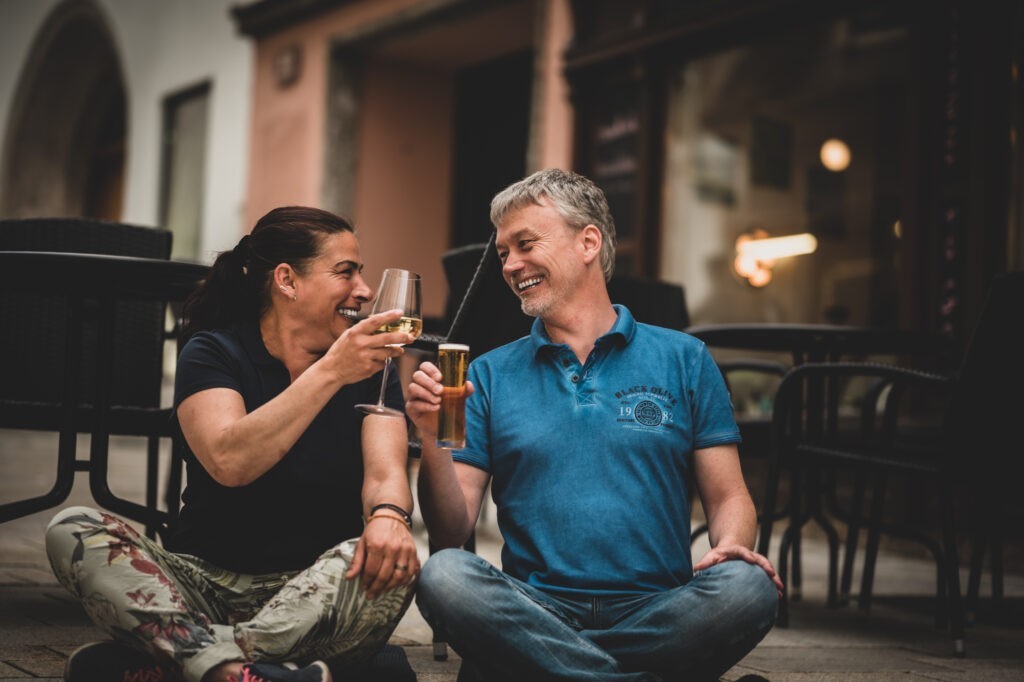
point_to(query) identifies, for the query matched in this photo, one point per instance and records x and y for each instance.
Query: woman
(271, 562)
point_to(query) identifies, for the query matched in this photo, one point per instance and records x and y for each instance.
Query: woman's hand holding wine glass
(360, 352)
(399, 289)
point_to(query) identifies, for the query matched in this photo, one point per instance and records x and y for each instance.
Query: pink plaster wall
(552, 137)
(285, 163)
(403, 187)
(402, 192)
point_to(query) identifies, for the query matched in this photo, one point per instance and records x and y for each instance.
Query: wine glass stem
(384, 381)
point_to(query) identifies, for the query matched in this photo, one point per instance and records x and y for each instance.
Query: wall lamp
(756, 253)
(835, 155)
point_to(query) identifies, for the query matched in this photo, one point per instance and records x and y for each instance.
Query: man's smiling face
(539, 256)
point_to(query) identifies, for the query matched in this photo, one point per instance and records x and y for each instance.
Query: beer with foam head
(453, 361)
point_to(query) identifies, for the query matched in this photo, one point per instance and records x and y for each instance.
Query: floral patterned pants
(183, 609)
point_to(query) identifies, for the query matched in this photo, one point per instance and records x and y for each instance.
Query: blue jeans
(505, 629)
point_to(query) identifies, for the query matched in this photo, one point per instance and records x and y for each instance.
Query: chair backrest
(487, 315)
(650, 300)
(33, 336)
(491, 314)
(989, 399)
(91, 289)
(84, 235)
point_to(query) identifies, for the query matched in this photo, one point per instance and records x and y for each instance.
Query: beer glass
(398, 289)
(453, 361)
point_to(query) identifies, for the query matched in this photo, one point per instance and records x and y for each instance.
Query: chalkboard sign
(613, 142)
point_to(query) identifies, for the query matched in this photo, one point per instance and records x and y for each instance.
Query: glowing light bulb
(756, 253)
(769, 249)
(835, 155)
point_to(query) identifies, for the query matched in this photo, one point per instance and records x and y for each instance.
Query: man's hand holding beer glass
(431, 389)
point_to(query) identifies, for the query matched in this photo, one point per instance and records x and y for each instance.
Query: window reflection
(744, 152)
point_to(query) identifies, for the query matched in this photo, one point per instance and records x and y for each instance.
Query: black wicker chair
(82, 347)
(955, 430)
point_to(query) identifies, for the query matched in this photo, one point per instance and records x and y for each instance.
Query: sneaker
(113, 662)
(268, 672)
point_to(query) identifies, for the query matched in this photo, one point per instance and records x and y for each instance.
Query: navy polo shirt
(590, 463)
(309, 501)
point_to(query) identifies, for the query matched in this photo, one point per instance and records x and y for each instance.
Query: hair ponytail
(220, 300)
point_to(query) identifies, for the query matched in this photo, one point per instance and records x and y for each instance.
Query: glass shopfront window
(804, 135)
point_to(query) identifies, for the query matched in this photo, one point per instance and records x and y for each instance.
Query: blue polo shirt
(590, 463)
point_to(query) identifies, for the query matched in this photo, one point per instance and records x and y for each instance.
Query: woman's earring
(284, 290)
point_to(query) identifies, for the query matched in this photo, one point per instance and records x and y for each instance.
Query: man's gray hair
(577, 199)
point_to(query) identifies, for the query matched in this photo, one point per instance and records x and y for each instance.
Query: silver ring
(401, 567)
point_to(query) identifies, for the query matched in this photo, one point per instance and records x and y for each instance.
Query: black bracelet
(395, 508)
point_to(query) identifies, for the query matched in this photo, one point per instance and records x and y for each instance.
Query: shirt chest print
(643, 407)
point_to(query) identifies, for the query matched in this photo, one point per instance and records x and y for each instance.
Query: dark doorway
(66, 151)
(492, 117)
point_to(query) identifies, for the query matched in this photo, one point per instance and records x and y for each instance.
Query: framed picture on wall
(824, 202)
(714, 170)
(771, 152)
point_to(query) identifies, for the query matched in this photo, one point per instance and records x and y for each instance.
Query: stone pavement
(40, 624)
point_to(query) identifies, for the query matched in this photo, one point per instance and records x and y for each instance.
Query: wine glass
(398, 289)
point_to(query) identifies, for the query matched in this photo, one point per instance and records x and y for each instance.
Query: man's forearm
(733, 522)
(442, 501)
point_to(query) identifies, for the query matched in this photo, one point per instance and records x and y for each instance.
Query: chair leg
(798, 577)
(832, 600)
(175, 475)
(986, 531)
(871, 550)
(440, 646)
(440, 649)
(954, 600)
(996, 531)
(771, 493)
(978, 548)
(152, 480)
(815, 512)
(782, 620)
(852, 536)
(994, 521)
(793, 532)
(996, 557)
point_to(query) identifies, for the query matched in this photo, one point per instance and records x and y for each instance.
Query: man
(588, 430)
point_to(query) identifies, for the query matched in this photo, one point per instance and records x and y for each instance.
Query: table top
(817, 341)
(100, 275)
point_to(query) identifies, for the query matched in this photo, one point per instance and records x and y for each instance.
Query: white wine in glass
(398, 289)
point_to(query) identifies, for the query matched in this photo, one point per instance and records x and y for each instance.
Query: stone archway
(66, 137)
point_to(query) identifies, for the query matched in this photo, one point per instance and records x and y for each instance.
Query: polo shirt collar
(620, 334)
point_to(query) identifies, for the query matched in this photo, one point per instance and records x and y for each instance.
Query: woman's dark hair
(237, 288)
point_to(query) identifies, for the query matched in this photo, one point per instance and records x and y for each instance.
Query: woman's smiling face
(331, 291)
